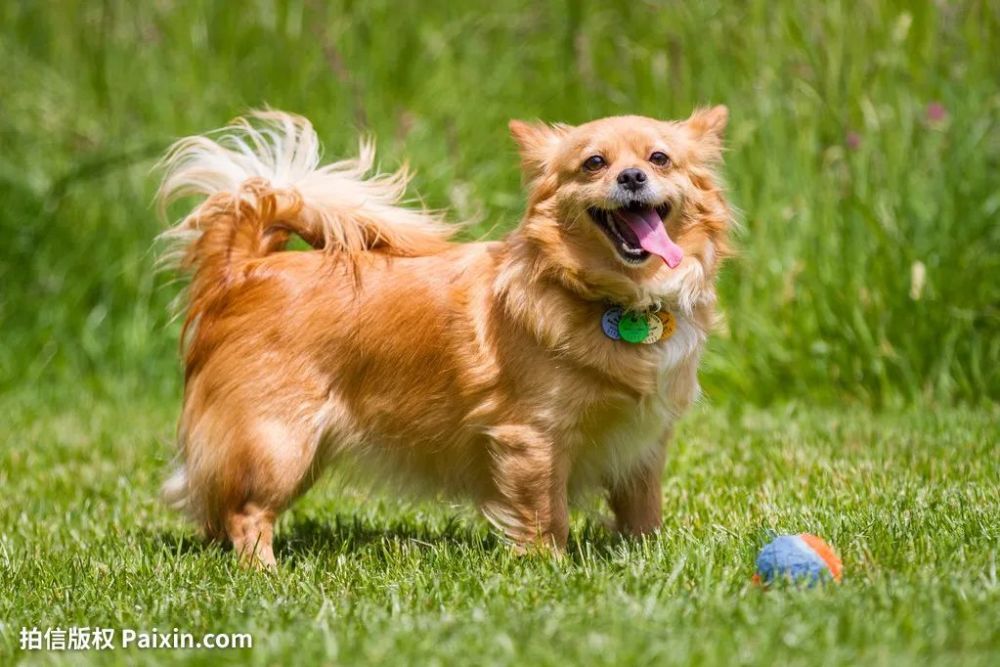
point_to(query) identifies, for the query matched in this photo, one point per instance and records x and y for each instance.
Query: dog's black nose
(632, 179)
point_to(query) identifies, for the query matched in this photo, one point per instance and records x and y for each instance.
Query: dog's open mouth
(637, 232)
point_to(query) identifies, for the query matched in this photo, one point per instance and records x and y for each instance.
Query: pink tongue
(652, 235)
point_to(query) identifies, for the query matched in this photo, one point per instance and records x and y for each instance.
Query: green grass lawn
(910, 500)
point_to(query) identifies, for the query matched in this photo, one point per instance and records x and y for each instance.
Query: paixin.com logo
(109, 639)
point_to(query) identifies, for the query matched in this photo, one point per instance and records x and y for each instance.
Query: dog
(520, 374)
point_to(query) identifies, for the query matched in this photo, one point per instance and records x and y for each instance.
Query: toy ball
(802, 558)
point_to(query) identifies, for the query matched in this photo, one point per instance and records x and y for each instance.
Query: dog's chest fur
(620, 433)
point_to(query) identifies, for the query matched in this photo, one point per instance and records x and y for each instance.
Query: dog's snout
(632, 179)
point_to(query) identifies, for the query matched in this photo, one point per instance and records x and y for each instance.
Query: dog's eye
(594, 163)
(659, 158)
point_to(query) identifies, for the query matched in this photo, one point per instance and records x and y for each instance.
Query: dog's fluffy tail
(262, 182)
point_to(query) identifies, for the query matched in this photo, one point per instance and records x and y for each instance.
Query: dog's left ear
(537, 143)
(708, 126)
(709, 123)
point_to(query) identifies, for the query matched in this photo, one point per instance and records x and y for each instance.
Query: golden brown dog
(474, 369)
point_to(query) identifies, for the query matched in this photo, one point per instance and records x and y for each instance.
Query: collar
(638, 327)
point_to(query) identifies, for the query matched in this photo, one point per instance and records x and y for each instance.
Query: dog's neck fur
(561, 314)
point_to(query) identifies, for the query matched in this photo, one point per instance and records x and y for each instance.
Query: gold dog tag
(669, 324)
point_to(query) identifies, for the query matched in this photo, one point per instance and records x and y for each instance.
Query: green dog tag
(633, 327)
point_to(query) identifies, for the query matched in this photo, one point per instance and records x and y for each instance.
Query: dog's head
(620, 204)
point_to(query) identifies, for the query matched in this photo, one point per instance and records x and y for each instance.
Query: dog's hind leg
(251, 530)
(245, 477)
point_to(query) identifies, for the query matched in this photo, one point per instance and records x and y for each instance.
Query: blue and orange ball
(803, 559)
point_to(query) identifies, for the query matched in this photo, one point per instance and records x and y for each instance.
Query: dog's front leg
(637, 499)
(528, 499)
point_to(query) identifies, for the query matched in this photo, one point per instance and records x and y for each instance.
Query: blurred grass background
(864, 154)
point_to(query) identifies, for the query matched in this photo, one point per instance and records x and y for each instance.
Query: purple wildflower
(936, 113)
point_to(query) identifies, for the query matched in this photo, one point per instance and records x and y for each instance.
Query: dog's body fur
(478, 370)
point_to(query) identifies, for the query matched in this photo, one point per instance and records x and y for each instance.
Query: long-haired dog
(518, 373)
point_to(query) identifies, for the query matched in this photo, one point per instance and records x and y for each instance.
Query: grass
(853, 390)
(864, 145)
(909, 499)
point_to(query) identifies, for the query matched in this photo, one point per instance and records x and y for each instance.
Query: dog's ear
(708, 126)
(710, 121)
(537, 143)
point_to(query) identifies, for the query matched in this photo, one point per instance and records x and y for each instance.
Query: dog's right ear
(537, 143)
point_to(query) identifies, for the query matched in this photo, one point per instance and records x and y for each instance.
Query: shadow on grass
(313, 539)
(347, 534)
(183, 544)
